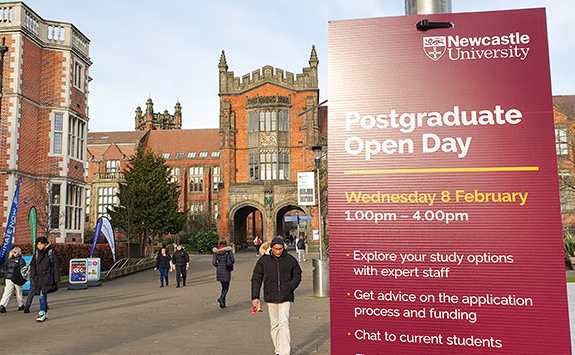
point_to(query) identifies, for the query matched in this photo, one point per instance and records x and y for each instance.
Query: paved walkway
(133, 315)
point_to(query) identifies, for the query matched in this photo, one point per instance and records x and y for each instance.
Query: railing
(128, 262)
(17, 14)
(110, 175)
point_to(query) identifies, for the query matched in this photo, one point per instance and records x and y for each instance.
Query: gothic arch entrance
(248, 222)
(289, 229)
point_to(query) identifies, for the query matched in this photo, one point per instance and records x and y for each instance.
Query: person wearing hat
(181, 261)
(281, 275)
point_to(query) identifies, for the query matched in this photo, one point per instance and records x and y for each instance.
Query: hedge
(65, 252)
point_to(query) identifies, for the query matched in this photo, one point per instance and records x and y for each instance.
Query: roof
(184, 141)
(105, 138)
(565, 103)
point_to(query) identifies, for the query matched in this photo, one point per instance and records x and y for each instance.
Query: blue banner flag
(7, 243)
(105, 227)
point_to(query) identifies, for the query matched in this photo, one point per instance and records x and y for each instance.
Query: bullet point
(347, 254)
(348, 293)
(348, 333)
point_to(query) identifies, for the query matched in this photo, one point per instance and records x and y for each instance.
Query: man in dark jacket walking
(181, 261)
(281, 275)
(45, 274)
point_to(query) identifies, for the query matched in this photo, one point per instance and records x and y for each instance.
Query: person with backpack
(181, 261)
(300, 249)
(223, 260)
(13, 279)
(45, 274)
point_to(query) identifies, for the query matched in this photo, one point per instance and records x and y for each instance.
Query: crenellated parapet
(230, 84)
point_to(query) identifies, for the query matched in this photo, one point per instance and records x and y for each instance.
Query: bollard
(320, 278)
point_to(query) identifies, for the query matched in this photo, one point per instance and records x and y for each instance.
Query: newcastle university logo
(434, 47)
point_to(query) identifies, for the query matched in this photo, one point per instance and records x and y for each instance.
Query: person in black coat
(223, 256)
(181, 261)
(45, 273)
(163, 264)
(13, 279)
(280, 274)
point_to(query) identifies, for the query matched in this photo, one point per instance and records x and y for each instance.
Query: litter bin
(320, 278)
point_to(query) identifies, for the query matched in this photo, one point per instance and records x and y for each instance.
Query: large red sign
(445, 226)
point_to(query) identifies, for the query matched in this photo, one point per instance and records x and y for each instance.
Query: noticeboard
(445, 225)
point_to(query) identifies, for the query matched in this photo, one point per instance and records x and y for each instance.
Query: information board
(444, 212)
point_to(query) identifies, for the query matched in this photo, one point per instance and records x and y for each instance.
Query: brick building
(564, 116)
(193, 155)
(268, 121)
(43, 122)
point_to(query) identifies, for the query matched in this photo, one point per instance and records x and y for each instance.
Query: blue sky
(169, 50)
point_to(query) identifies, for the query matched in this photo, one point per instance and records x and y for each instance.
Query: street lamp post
(321, 266)
(317, 158)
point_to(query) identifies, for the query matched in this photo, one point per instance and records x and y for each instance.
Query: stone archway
(247, 222)
(288, 230)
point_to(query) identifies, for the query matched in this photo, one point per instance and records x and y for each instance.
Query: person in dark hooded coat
(45, 273)
(223, 256)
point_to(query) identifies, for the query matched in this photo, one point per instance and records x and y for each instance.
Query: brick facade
(249, 148)
(43, 123)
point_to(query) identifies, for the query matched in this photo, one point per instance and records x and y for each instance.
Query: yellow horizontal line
(444, 170)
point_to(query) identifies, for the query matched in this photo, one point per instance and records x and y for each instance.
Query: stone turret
(158, 121)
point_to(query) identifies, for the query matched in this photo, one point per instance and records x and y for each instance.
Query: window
(175, 175)
(76, 138)
(216, 177)
(284, 121)
(192, 155)
(55, 206)
(566, 191)
(103, 138)
(197, 179)
(87, 216)
(90, 138)
(112, 169)
(79, 75)
(166, 155)
(253, 166)
(268, 165)
(252, 121)
(107, 199)
(561, 145)
(216, 210)
(284, 166)
(74, 206)
(196, 207)
(203, 154)
(179, 155)
(215, 154)
(268, 121)
(58, 131)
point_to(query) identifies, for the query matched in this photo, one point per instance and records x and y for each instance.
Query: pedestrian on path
(281, 275)
(223, 260)
(257, 244)
(300, 247)
(13, 279)
(181, 261)
(163, 265)
(45, 273)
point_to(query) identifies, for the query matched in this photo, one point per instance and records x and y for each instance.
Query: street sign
(445, 224)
